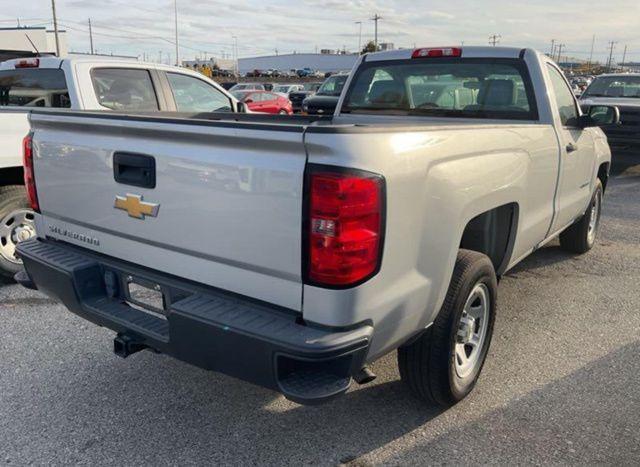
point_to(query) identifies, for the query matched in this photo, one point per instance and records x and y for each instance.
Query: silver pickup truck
(291, 252)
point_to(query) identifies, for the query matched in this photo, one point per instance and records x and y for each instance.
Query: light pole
(175, 9)
(235, 53)
(359, 36)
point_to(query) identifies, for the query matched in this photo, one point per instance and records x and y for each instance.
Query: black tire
(12, 198)
(427, 365)
(578, 238)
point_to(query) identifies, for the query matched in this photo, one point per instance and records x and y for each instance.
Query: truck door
(577, 153)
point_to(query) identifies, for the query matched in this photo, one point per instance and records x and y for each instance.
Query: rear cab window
(34, 87)
(124, 89)
(490, 88)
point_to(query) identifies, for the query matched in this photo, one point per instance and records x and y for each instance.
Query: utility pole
(593, 42)
(90, 36)
(175, 8)
(235, 55)
(560, 47)
(55, 27)
(375, 19)
(494, 39)
(553, 48)
(624, 55)
(612, 44)
(359, 37)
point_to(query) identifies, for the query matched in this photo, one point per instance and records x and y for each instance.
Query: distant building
(321, 62)
(28, 41)
(221, 63)
(387, 46)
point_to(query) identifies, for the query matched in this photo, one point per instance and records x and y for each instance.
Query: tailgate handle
(134, 169)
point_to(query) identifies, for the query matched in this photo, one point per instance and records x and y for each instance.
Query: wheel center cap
(23, 233)
(466, 329)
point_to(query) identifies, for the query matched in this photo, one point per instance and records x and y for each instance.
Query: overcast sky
(135, 27)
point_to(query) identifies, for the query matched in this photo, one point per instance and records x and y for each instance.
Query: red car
(265, 102)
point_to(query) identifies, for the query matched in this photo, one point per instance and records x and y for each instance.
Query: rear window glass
(465, 88)
(124, 89)
(34, 87)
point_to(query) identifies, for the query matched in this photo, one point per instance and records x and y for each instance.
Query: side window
(564, 97)
(194, 95)
(124, 89)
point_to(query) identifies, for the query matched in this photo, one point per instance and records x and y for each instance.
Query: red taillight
(438, 52)
(29, 178)
(28, 63)
(345, 227)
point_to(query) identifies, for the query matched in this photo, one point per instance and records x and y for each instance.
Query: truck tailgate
(227, 198)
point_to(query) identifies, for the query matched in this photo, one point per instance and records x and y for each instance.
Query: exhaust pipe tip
(124, 345)
(364, 376)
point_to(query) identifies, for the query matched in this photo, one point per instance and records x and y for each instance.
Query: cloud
(135, 27)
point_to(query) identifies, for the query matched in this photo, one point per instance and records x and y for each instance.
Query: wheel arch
(493, 233)
(11, 176)
(603, 174)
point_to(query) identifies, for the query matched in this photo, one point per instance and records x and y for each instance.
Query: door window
(124, 89)
(194, 95)
(564, 98)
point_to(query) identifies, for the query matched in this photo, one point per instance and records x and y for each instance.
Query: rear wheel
(16, 225)
(581, 236)
(443, 365)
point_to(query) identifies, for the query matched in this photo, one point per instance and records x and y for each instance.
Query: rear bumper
(211, 329)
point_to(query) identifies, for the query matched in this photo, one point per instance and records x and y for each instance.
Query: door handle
(571, 148)
(134, 169)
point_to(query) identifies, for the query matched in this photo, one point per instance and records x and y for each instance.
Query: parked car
(89, 83)
(247, 87)
(285, 89)
(622, 91)
(264, 102)
(325, 100)
(304, 72)
(228, 85)
(317, 245)
(297, 97)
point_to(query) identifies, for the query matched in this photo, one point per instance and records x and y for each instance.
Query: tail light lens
(345, 215)
(439, 52)
(29, 178)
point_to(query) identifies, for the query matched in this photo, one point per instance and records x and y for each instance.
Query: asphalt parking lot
(561, 384)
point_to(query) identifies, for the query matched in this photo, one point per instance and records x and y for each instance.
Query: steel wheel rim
(594, 219)
(15, 227)
(472, 330)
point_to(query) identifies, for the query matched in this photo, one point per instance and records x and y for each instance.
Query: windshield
(465, 88)
(312, 86)
(36, 87)
(332, 86)
(614, 86)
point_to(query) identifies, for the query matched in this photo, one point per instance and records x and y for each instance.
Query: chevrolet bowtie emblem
(137, 208)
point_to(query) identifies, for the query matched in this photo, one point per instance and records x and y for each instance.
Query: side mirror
(600, 115)
(241, 108)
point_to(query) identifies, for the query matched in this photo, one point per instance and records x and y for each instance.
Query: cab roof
(467, 52)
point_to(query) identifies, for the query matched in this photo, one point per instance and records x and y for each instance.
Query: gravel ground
(560, 384)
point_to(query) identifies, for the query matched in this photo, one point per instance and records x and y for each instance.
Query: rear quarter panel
(437, 180)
